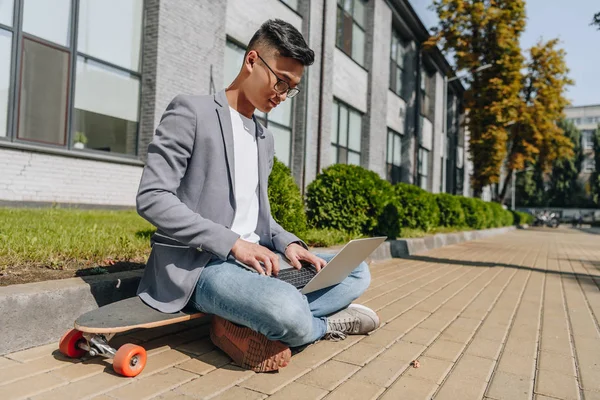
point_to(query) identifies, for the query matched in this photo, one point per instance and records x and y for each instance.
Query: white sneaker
(354, 320)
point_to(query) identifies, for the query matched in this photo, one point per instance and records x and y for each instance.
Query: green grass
(70, 238)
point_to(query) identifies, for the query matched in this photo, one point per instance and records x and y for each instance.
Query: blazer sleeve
(166, 164)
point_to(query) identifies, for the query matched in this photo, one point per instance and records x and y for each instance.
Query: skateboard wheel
(130, 360)
(68, 344)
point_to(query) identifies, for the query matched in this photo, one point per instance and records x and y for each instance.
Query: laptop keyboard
(297, 277)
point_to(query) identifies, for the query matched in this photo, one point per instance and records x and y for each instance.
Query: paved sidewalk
(510, 317)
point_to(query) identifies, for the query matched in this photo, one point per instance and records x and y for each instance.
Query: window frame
(16, 70)
(420, 173)
(339, 39)
(347, 148)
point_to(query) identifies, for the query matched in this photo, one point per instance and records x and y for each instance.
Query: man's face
(261, 83)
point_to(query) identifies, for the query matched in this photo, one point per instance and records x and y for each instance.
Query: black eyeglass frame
(284, 87)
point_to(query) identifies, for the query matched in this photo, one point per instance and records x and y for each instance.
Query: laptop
(308, 280)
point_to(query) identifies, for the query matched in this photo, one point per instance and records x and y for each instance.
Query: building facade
(83, 85)
(587, 120)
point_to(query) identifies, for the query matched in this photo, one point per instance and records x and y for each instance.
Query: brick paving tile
(330, 375)
(517, 320)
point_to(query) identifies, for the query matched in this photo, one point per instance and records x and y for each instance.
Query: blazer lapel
(227, 132)
(264, 212)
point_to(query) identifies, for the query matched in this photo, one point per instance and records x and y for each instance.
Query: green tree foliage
(595, 178)
(564, 189)
(596, 20)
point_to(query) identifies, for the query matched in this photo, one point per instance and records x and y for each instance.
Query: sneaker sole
(247, 348)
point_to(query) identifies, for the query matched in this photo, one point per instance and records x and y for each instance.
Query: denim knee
(362, 276)
(291, 322)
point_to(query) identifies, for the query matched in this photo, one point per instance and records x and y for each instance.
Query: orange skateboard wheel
(68, 344)
(130, 360)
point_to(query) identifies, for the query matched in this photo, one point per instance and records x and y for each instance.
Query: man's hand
(253, 254)
(296, 253)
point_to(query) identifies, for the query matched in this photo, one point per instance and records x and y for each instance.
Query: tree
(536, 137)
(565, 190)
(530, 191)
(595, 178)
(596, 20)
(479, 33)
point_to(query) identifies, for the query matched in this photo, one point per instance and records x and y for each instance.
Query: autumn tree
(479, 33)
(537, 137)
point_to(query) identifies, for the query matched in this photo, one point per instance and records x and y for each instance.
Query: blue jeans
(273, 307)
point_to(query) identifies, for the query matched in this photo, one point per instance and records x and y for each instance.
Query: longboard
(94, 329)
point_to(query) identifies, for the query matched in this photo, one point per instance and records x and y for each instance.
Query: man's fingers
(275, 263)
(268, 264)
(256, 265)
(295, 262)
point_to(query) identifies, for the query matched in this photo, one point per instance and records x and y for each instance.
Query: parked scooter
(547, 218)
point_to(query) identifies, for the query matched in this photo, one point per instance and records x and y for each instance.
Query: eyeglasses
(281, 86)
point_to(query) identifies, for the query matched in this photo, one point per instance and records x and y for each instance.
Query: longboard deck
(129, 314)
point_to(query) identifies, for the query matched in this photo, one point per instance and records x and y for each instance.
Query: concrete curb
(36, 314)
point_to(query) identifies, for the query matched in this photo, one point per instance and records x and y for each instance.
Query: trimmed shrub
(474, 213)
(522, 218)
(348, 198)
(287, 207)
(417, 208)
(451, 211)
(497, 215)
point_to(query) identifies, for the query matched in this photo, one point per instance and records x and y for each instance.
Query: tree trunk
(507, 181)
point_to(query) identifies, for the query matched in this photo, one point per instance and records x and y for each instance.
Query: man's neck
(238, 101)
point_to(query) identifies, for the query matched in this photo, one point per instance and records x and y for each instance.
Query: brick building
(84, 83)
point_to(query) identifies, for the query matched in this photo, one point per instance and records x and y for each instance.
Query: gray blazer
(187, 192)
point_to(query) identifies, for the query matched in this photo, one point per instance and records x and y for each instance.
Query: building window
(423, 167)
(43, 93)
(587, 139)
(394, 157)
(427, 90)
(350, 33)
(6, 12)
(79, 76)
(5, 62)
(397, 56)
(589, 165)
(279, 121)
(346, 134)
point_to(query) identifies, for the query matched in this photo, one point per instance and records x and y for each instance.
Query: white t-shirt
(245, 152)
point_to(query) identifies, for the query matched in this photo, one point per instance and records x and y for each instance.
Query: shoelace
(335, 336)
(339, 328)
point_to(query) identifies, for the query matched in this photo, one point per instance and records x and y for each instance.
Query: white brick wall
(27, 176)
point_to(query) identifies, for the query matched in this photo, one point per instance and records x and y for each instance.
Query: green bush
(521, 218)
(348, 198)
(451, 211)
(497, 215)
(475, 217)
(417, 208)
(287, 207)
(326, 237)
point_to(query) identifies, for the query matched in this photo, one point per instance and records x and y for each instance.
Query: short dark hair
(285, 38)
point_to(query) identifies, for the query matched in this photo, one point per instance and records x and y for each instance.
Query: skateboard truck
(129, 360)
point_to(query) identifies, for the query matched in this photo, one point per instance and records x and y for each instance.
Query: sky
(570, 22)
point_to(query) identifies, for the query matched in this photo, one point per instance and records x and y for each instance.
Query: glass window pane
(353, 158)
(390, 148)
(347, 25)
(111, 30)
(334, 122)
(43, 93)
(358, 44)
(6, 12)
(347, 5)
(282, 114)
(343, 156)
(359, 12)
(343, 129)
(339, 28)
(400, 55)
(50, 20)
(5, 58)
(333, 154)
(399, 81)
(106, 108)
(292, 3)
(397, 150)
(354, 134)
(393, 76)
(261, 115)
(394, 47)
(283, 139)
(234, 57)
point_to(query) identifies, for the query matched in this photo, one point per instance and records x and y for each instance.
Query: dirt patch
(38, 273)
